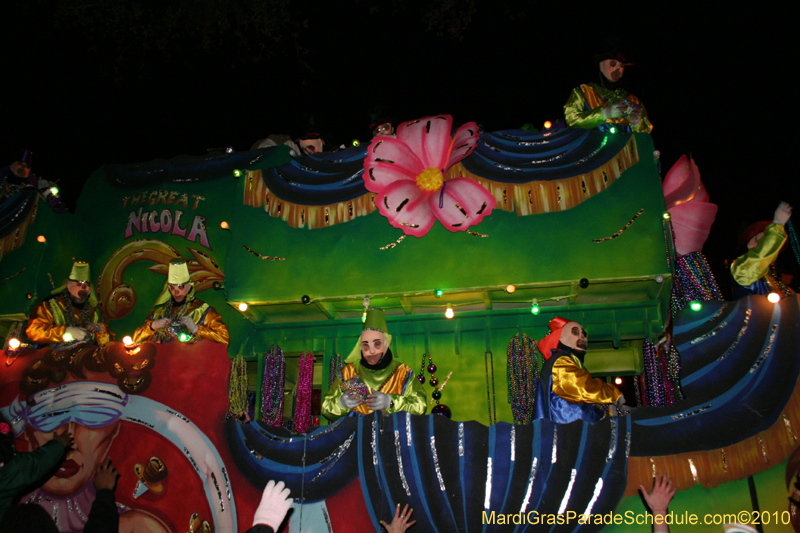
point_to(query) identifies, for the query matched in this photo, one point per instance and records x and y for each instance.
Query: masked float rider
(178, 310)
(567, 391)
(754, 272)
(596, 104)
(70, 314)
(391, 384)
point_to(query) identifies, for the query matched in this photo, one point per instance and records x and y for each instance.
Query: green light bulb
(695, 306)
(438, 293)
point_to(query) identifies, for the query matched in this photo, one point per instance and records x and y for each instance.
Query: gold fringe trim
(714, 467)
(16, 238)
(558, 195)
(256, 194)
(525, 199)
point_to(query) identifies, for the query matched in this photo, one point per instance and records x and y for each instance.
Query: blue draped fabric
(449, 472)
(739, 367)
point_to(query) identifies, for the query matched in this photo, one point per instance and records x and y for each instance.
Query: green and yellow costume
(584, 109)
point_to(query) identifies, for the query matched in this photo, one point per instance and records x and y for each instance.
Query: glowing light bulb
(356, 142)
(548, 124)
(242, 307)
(618, 381)
(54, 190)
(695, 306)
(774, 297)
(41, 238)
(224, 225)
(364, 317)
(67, 337)
(13, 343)
(449, 313)
(438, 293)
(535, 307)
(237, 173)
(667, 215)
(510, 289)
(183, 337)
(612, 130)
(127, 340)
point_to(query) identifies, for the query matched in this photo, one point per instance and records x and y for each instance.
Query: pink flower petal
(692, 223)
(429, 138)
(682, 184)
(464, 142)
(403, 203)
(465, 204)
(389, 159)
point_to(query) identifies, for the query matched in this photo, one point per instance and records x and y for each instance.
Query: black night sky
(119, 81)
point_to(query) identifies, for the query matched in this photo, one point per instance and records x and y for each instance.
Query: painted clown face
(373, 345)
(612, 69)
(574, 336)
(179, 291)
(79, 290)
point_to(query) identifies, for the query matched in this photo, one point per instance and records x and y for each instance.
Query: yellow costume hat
(79, 272)
(376, 321)
(178, 274)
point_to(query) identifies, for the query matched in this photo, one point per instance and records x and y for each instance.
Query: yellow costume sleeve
(331, 408)
(105, 336)
(143, 332)
(213, 328)
(41, 326)
(412, 400)
(579, 117)
(575, 384)
(754, 265)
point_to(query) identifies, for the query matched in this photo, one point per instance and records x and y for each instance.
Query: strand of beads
(793, 240)
(436, 395)
(273, 387)
(335, 369)
(488, 362)
(237, 391)
(694, 282)
(522, 373)
(305, 382)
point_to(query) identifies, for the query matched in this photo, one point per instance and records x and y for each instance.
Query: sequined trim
(724, 460)
(400, 463)
(528, 491)
(598, 487)
(788, 425)
(612, 448)
(487, 499)
(693, 469)
(738, 335)
(653, 466)
(767, 350)
(274, 437)
(334, 457)
(375, 440)
(763, 449)
(461, 439)
(327, 429)
(436, 464)
(627, 444)
(513, 444)
(326, 517)
(697, 411)
(408, 429)
(252, 451)
(568, 492)
(711, 333)
(554, 454)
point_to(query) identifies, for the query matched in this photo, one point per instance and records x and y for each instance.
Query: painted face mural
(612, 69)
(373, 345)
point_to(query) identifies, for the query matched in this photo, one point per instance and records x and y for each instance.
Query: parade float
(470, 261)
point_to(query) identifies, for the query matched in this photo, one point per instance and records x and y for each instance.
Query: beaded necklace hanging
(436, 395)
(273, 387)
(793, 240)
(174, 314)
(335, 369)
(69, 313)
(522, 373)
(305, 382)
(694, 282)
(237, 391)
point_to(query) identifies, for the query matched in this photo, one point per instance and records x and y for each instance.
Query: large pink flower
(686, 199)
(408, 175)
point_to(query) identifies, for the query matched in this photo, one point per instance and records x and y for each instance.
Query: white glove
(78, 334)
(275, 503)
(782, 214)
(379, 400)
(348, 402)
(189, 324)
(621, 400)
(94, 328)
(612, 111)
(158, 324)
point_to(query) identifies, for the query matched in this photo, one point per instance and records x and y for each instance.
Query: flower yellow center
(430, 179)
